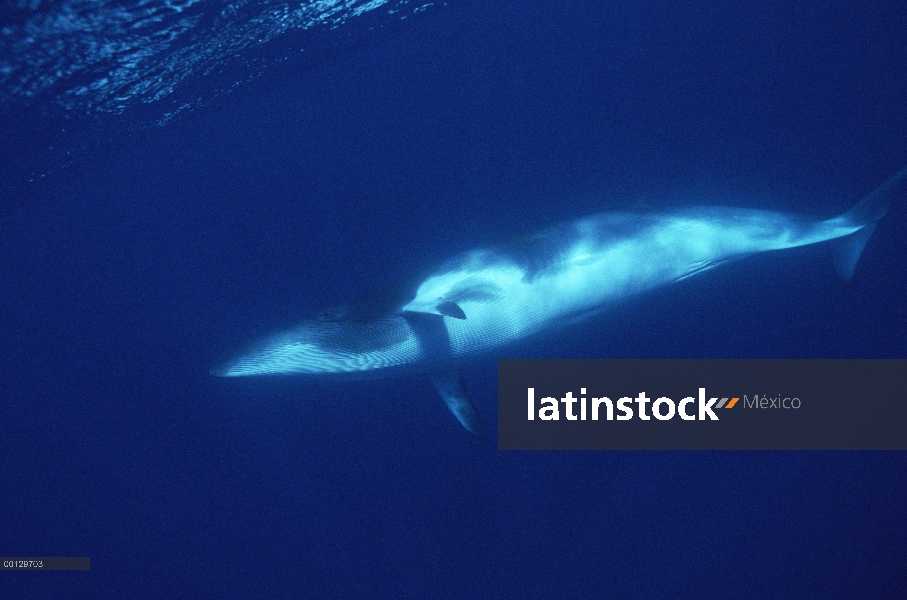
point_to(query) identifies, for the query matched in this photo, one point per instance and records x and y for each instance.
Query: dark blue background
(126, 275)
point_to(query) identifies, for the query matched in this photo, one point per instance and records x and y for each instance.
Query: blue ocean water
(181, 177)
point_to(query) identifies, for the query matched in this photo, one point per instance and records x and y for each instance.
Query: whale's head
(335, 341)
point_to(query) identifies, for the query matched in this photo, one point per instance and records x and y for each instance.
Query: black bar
(840, 404)
(44, 563)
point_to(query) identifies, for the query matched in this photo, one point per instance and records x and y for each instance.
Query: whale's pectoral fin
(431, 331)
(449, 383)
(443, 308)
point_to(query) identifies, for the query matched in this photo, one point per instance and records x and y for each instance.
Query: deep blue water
(148, 230)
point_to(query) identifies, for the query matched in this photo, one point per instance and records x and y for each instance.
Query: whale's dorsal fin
(443, 308)
(450, 309)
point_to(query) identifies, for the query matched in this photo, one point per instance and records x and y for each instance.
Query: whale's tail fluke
(846, 251)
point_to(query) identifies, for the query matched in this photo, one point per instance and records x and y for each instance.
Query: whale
(489, 297)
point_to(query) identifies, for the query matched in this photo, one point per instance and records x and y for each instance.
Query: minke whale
(486, 298)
